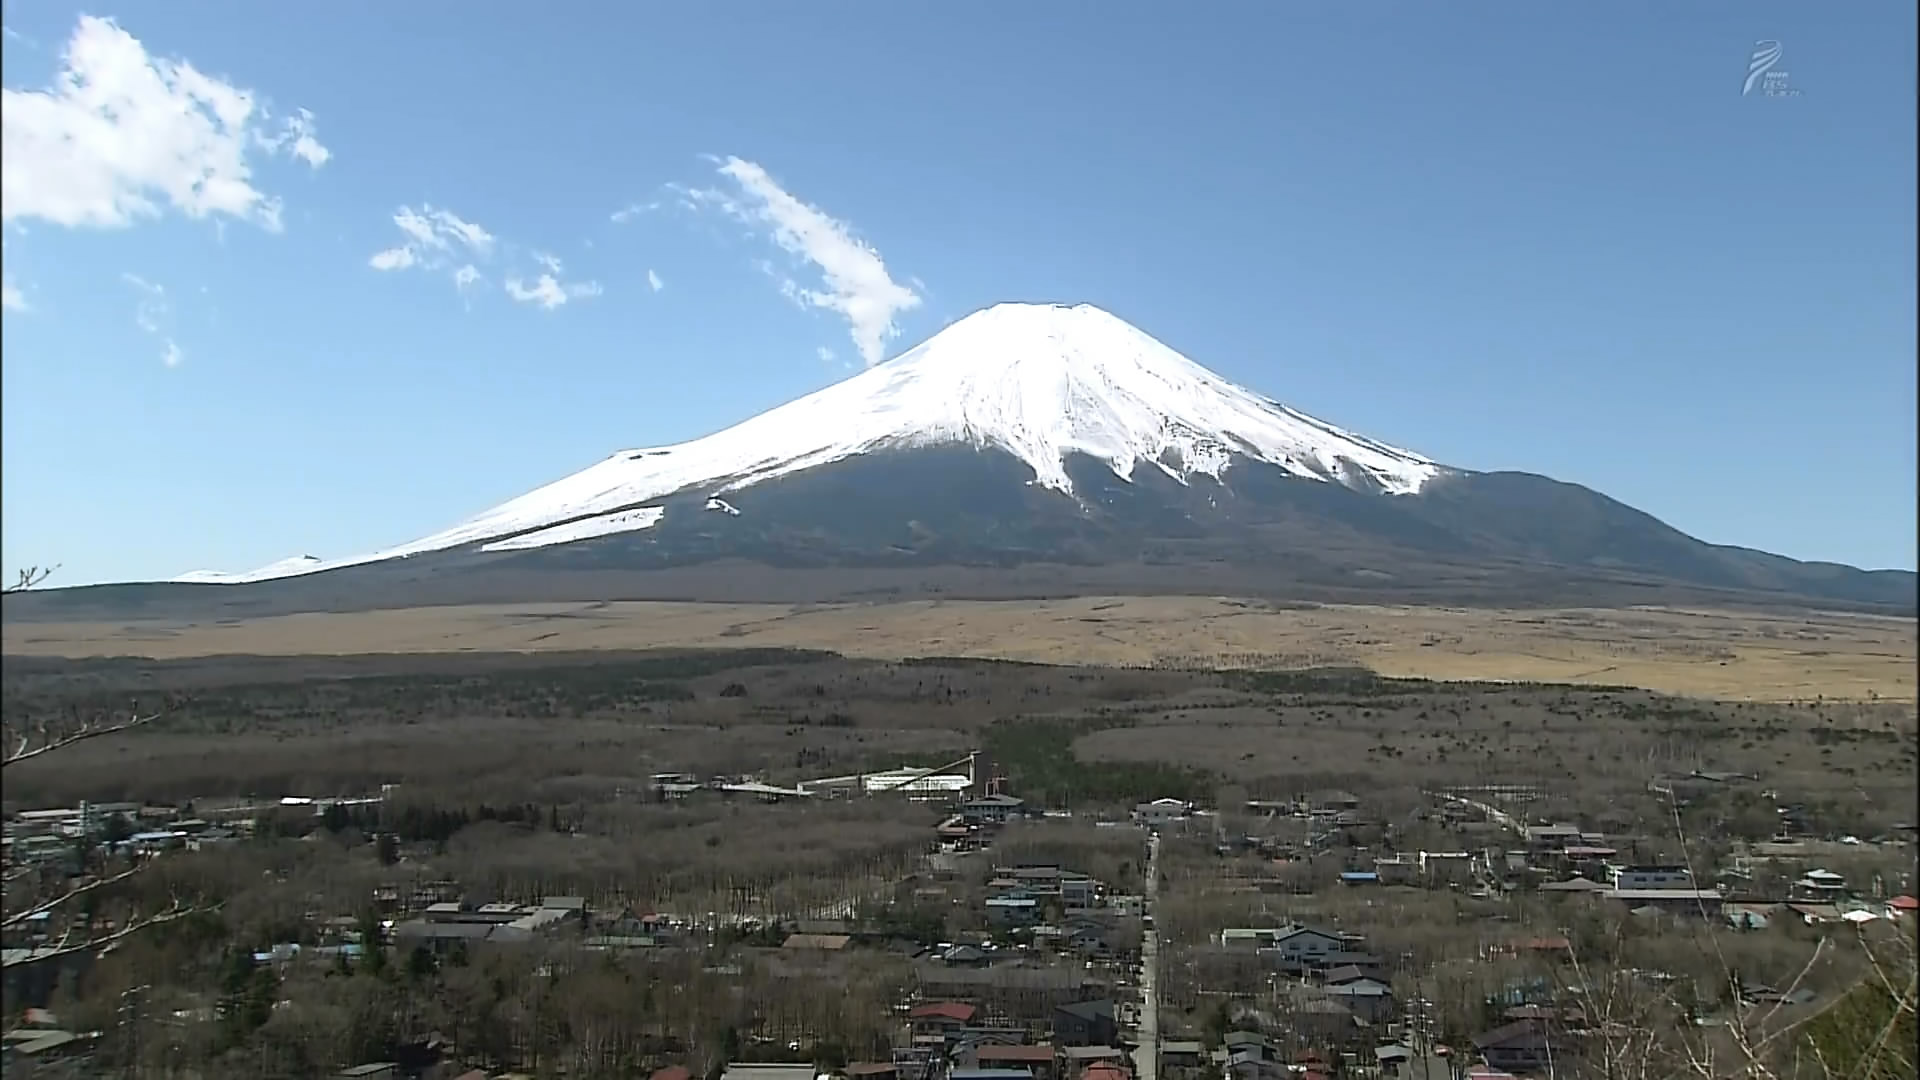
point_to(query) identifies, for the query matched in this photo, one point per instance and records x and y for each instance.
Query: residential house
(1523, 1046)
(1302, 942)
(1252, 1043)
(972, 956)
(991, 809)
(1033, 879)
(1076, 1059)
(1756, 994)
(1545, 838)
(1038, 1060)
(1653, 877)
(1012, 909)
(1085, 1023)
(443, 938)
(1094, 938)
(979, 1033)
(1749, 916)
(918, 1062)
(1106, 1070)
(1182, 1054)
(937, 1021)
(1317, 1017)
(1079, 891)
(1316, 965)
(1396, 1061)
(1702, 902)
(1017, 990)
(628, 924)
(1250, 938)
(955, 831)
(1574, 886)
(1440, 868)
(1588, 860)
(1511, 866)
(1369, 999)
(1161, 812)
(1347, 973)
(1821, 884)
(1248, 1055)
(1816, 914)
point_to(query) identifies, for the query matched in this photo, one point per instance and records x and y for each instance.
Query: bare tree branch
(22, 916)
(92, 943)
(24, 748)
(43, 738)
(30, 577)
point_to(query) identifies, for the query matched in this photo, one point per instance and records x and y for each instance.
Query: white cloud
(433, 239)
(654, 282)
(439, 240)
(633, 210)
(854, 278)
(154, 315)
(548, 292)
(120, 135)
(297, 137)
(392, 259)
(419, 229)
(11, 298)
(477, 239)
(152, 308)
(825, 354)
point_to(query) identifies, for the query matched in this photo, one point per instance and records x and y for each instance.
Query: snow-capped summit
(1040, 382)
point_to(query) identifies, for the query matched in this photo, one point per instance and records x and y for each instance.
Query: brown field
(1731, 655)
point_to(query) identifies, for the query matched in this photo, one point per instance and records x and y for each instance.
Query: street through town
(1146, 1050)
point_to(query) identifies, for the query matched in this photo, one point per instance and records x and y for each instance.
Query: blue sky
(1549, 237)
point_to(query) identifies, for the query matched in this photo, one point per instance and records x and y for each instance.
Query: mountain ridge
(1043, 436)
(1039, 381)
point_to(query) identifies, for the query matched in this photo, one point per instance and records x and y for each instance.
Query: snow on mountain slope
(585, 529)
(1039, 381)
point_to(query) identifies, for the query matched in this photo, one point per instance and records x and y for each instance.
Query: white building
(1161, 811)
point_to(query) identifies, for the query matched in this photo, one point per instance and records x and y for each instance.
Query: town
(934, 924)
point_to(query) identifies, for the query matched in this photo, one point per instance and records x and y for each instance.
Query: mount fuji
(1033, 449)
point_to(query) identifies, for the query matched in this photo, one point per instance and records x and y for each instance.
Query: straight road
(1146, 1050)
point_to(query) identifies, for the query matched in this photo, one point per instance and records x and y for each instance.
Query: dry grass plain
(1722, 654)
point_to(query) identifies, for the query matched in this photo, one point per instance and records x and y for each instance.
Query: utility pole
(129, 1015)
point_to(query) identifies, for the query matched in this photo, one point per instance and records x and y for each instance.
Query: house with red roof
(936, 1020)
